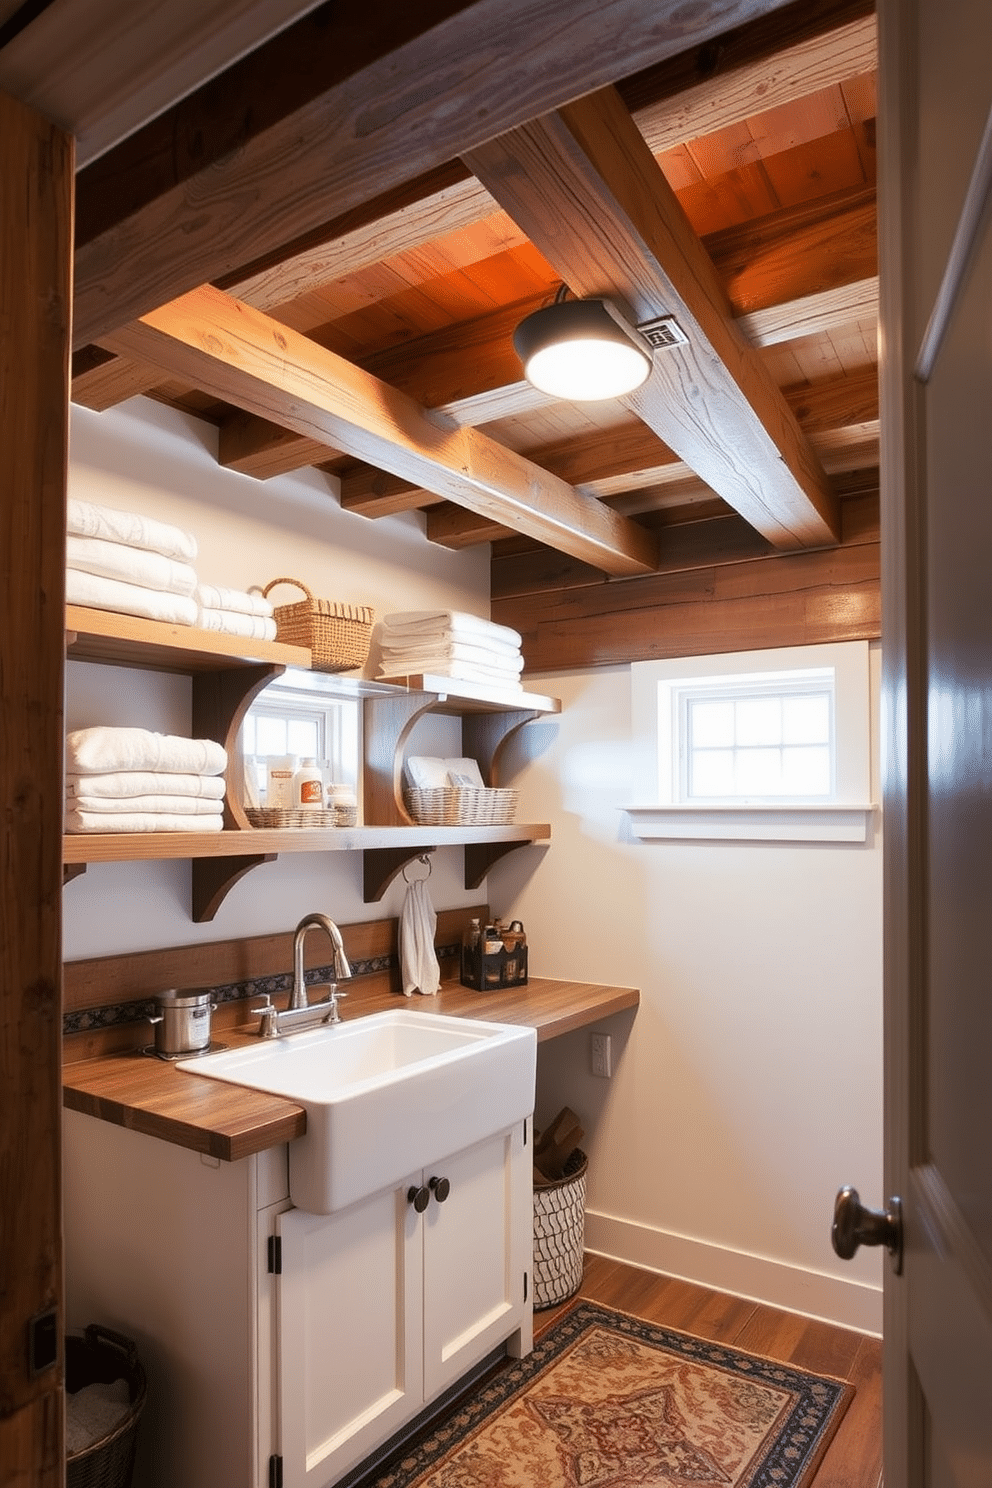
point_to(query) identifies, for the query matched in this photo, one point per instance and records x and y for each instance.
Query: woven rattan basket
(284, 816)
(101, 1356)
(559, 1234)
(460, 806)
(337, 635)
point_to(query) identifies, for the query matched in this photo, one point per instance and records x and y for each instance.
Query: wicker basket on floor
(337, 635)
(460, 806)
(99, 1357)
(559, 1234)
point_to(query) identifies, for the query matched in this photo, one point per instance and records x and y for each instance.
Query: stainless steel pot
(182, 1021)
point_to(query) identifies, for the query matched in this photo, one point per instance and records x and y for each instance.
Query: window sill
(833, 823)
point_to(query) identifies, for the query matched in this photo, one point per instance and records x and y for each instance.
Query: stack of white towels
(450, 643)
(118, 560)
(133, 780)
(234, 612)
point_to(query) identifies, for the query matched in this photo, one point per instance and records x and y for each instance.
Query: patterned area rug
(608, 1401)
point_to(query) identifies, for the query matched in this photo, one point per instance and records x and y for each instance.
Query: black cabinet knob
(440, 1188)
(418, 1197)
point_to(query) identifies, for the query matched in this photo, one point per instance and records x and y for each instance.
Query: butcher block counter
(229, 1122)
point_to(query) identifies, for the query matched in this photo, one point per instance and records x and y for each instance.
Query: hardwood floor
(854, 1457)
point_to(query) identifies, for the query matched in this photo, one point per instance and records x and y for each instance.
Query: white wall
(747, 1088)
(147, 458)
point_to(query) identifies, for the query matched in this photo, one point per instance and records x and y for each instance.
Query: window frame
(657, 691)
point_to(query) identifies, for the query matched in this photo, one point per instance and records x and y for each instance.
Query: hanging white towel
(419, 966)
(87, 519)
(103, 749)
(113, 560)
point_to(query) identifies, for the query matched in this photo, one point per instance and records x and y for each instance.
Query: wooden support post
(36, 183)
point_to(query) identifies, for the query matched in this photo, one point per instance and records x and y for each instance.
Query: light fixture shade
(580, 350)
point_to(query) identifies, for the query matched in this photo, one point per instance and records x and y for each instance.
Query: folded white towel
(448, 623)
(214, 597)
(113, 560)
(103, 749)
(115, 805)
(230, 622)
(479, 649)
(93, 1412)
(430, 656)
(87, 519)
(120, 784)
(141, 821)
(456, 670)
(419, 966)
(128, 599)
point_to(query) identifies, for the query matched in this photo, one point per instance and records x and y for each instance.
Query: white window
(766, 745)
(296, 715)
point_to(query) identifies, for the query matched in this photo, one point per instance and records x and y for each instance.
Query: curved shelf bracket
(481, 856)
(382, 864)
(220, 701)
(388, 722)
(485, 735)
(71, 871)
(214, 878)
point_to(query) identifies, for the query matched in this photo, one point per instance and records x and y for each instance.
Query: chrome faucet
(298, 996)
(300, 1012)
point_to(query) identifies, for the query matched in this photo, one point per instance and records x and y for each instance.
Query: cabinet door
(350, 1306)
(477, 1257)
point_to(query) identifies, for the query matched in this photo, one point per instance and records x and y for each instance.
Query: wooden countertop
(230, 1122)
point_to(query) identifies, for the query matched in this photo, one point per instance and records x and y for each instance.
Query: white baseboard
(848, 1304)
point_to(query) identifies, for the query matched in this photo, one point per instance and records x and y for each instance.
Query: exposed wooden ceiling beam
(476, 358)
(476, 73)
(588, 192)
(630, 458)
(240, 355)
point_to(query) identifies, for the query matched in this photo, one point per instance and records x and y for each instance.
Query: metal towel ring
(425, 859)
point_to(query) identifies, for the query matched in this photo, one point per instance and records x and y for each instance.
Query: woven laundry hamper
(100, 1356)
(559, 1234)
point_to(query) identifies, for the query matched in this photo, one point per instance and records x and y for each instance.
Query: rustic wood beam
(431, 99)
(589, 194)
(629, 457)
(240, 355)
(36, 177)
(101, 381)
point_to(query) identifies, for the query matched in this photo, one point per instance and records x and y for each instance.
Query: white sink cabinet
(271, 1333)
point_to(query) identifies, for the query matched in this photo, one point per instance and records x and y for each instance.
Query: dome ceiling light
(581, 350)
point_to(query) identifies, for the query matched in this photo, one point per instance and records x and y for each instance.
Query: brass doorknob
(855, 1225)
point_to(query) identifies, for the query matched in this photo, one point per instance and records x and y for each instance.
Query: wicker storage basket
(559, 1234)
(100, 1357)
(284, 816)
(338, 635)
(460, 806)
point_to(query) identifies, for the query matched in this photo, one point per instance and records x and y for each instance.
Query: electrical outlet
(601, 1054)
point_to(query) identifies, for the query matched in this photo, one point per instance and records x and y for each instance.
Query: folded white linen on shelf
(121, 784)
(230, 622)
(113, 560)
(441, 661)
(141, 821)
(464, 670)
(487, 655)
(102, 749)
(419, 968)
(88, 519)
(128, 599)
(172, 805)
(456, 624)
(215, 597)
(429, 772)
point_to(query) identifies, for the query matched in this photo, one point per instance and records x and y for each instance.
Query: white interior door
(936, 284)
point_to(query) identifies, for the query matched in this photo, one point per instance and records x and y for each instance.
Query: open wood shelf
(228, 672)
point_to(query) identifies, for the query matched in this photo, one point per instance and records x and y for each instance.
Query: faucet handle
(267, 1019)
